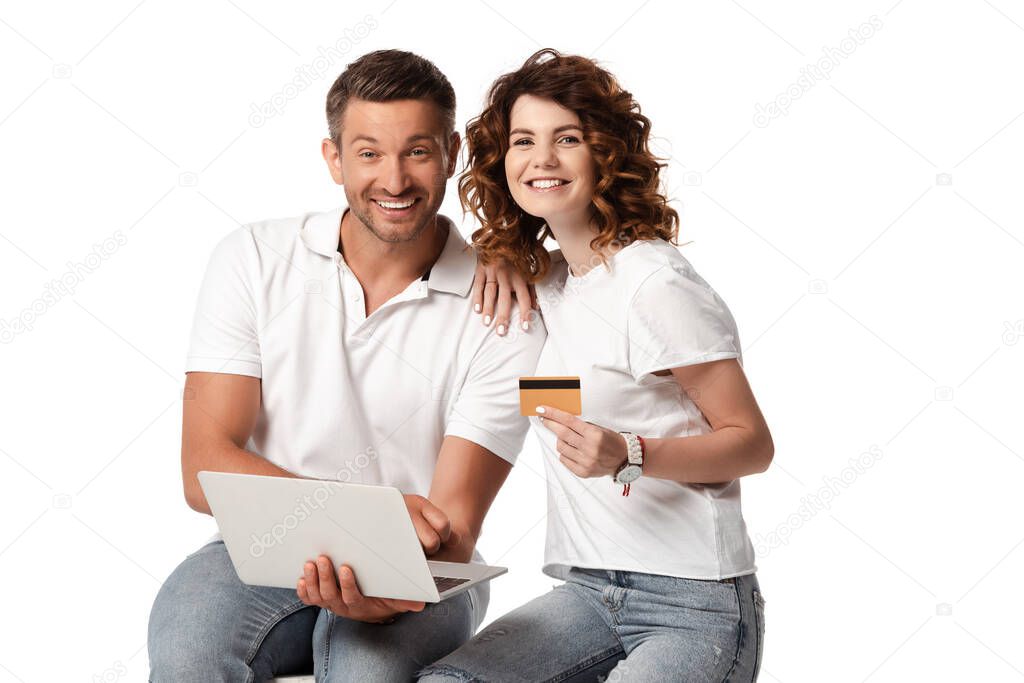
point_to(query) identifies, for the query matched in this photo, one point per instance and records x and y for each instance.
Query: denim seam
(585, 594)
(327, 643)
(463, 675)
(614, 603)
(267, 627)
(742, 635)
(758, 627)
(613, 627)
(620, 606)
(589, 662)
(447, 670)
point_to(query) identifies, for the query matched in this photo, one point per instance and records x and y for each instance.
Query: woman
(644, 518)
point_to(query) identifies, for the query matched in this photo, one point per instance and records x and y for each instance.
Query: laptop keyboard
(444, 583)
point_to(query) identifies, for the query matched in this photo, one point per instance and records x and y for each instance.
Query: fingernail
(501, 329)
(476, 307)
(540, 409)
(526, 324)
(487, 320)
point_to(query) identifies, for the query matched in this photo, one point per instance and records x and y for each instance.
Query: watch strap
(634, 448)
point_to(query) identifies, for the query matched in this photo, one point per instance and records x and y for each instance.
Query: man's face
(393, 163)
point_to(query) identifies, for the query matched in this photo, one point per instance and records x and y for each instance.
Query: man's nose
(395, 179)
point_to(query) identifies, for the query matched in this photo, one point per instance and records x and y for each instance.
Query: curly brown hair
(627, 203)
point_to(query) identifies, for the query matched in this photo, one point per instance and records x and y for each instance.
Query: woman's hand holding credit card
(558, 392)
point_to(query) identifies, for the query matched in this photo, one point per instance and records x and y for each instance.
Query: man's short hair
(386, 76)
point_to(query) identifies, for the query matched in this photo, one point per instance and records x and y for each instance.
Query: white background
(869, 243)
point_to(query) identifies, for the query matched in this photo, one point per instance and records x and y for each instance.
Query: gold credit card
(558, 392)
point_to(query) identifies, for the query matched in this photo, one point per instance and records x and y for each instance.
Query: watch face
(629, 473)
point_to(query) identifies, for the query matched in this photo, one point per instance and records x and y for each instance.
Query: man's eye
(367, 155)
(419, 152)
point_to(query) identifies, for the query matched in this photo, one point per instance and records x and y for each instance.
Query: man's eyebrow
(568, 126)
(374, 141)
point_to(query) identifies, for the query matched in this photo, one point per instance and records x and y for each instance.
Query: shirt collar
(452, 272)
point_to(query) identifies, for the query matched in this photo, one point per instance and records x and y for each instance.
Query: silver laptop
(273, 525)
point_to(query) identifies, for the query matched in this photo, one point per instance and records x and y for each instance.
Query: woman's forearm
(723, 455)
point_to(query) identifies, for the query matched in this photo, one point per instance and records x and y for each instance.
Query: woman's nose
(545, 157)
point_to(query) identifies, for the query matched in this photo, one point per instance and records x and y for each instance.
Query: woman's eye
(569, 138)
(418, 152)
(522, 142)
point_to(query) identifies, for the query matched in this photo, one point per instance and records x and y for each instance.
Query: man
(342, 345)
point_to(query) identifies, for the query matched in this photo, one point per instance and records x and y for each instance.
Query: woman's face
(550, 170)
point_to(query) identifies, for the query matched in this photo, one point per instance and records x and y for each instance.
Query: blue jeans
(206, 625)
(619, 626)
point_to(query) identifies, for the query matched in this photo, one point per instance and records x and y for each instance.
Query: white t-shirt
(651, 312)
(346, 396)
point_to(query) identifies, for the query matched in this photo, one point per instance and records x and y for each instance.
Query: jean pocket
(759, 617)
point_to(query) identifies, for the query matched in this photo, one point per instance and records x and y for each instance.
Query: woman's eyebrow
(568, 126)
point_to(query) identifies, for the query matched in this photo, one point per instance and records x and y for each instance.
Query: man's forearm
(227, 458)
(466, 481)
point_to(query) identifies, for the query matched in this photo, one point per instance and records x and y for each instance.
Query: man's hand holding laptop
(339, 593)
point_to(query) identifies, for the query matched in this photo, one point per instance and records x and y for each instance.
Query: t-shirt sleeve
(486, 410)
(677, 319)
(224, 329)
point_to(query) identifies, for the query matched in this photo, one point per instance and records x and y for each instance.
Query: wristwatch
(630, 470)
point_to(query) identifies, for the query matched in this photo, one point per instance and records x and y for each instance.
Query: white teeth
(396, 205)
(546, 183)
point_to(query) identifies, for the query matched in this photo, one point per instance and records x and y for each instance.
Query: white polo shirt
(353, 397)
(652, 312)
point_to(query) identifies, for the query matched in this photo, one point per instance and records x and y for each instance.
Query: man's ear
(454, 144)
(332, 155)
